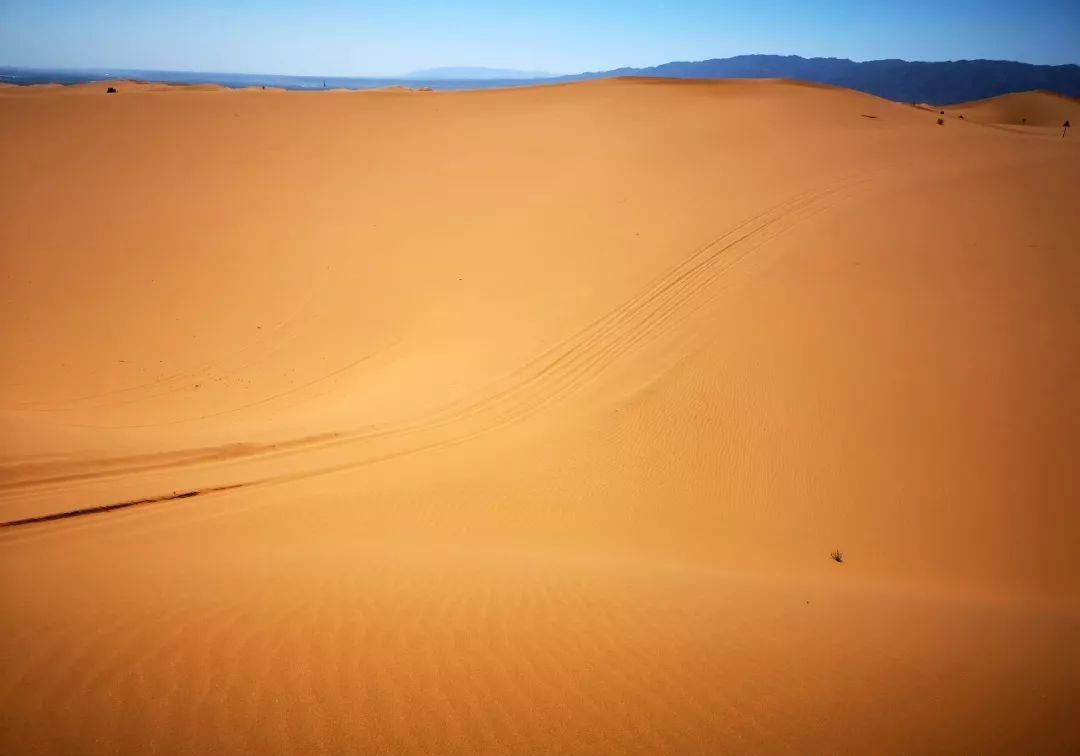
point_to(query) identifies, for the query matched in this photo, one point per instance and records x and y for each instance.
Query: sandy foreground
(525, 421)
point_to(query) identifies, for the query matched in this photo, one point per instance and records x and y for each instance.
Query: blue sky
(351, 37)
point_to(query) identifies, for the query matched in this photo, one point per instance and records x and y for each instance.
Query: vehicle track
(552, 375)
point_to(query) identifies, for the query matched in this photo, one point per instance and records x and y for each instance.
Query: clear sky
(352, 37)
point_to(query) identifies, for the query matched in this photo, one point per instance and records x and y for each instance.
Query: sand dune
(525, 421)
(1031, 108)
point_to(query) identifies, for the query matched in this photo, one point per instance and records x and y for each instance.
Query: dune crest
(1037, 108)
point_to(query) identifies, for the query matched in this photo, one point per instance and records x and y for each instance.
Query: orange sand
(525, 421)
(1040, 109)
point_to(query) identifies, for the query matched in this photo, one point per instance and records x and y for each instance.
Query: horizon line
(92, 68)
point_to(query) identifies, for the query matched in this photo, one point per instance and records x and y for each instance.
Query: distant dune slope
(1034, 108)
(526, 421)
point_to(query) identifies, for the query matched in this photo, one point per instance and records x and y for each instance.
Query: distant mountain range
(465, 73)
(939, 83)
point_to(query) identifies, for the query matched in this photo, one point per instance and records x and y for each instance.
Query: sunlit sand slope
(526, 421)
(1023, 108)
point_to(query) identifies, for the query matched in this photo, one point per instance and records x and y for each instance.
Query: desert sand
(525, 421)
(1032, 109)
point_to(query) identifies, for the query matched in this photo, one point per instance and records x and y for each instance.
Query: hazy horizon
(337, 38)
(433, 72)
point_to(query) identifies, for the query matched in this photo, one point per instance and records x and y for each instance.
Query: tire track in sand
(557, 372)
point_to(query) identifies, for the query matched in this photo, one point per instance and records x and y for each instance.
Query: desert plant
(941, 122)
(837, 556)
